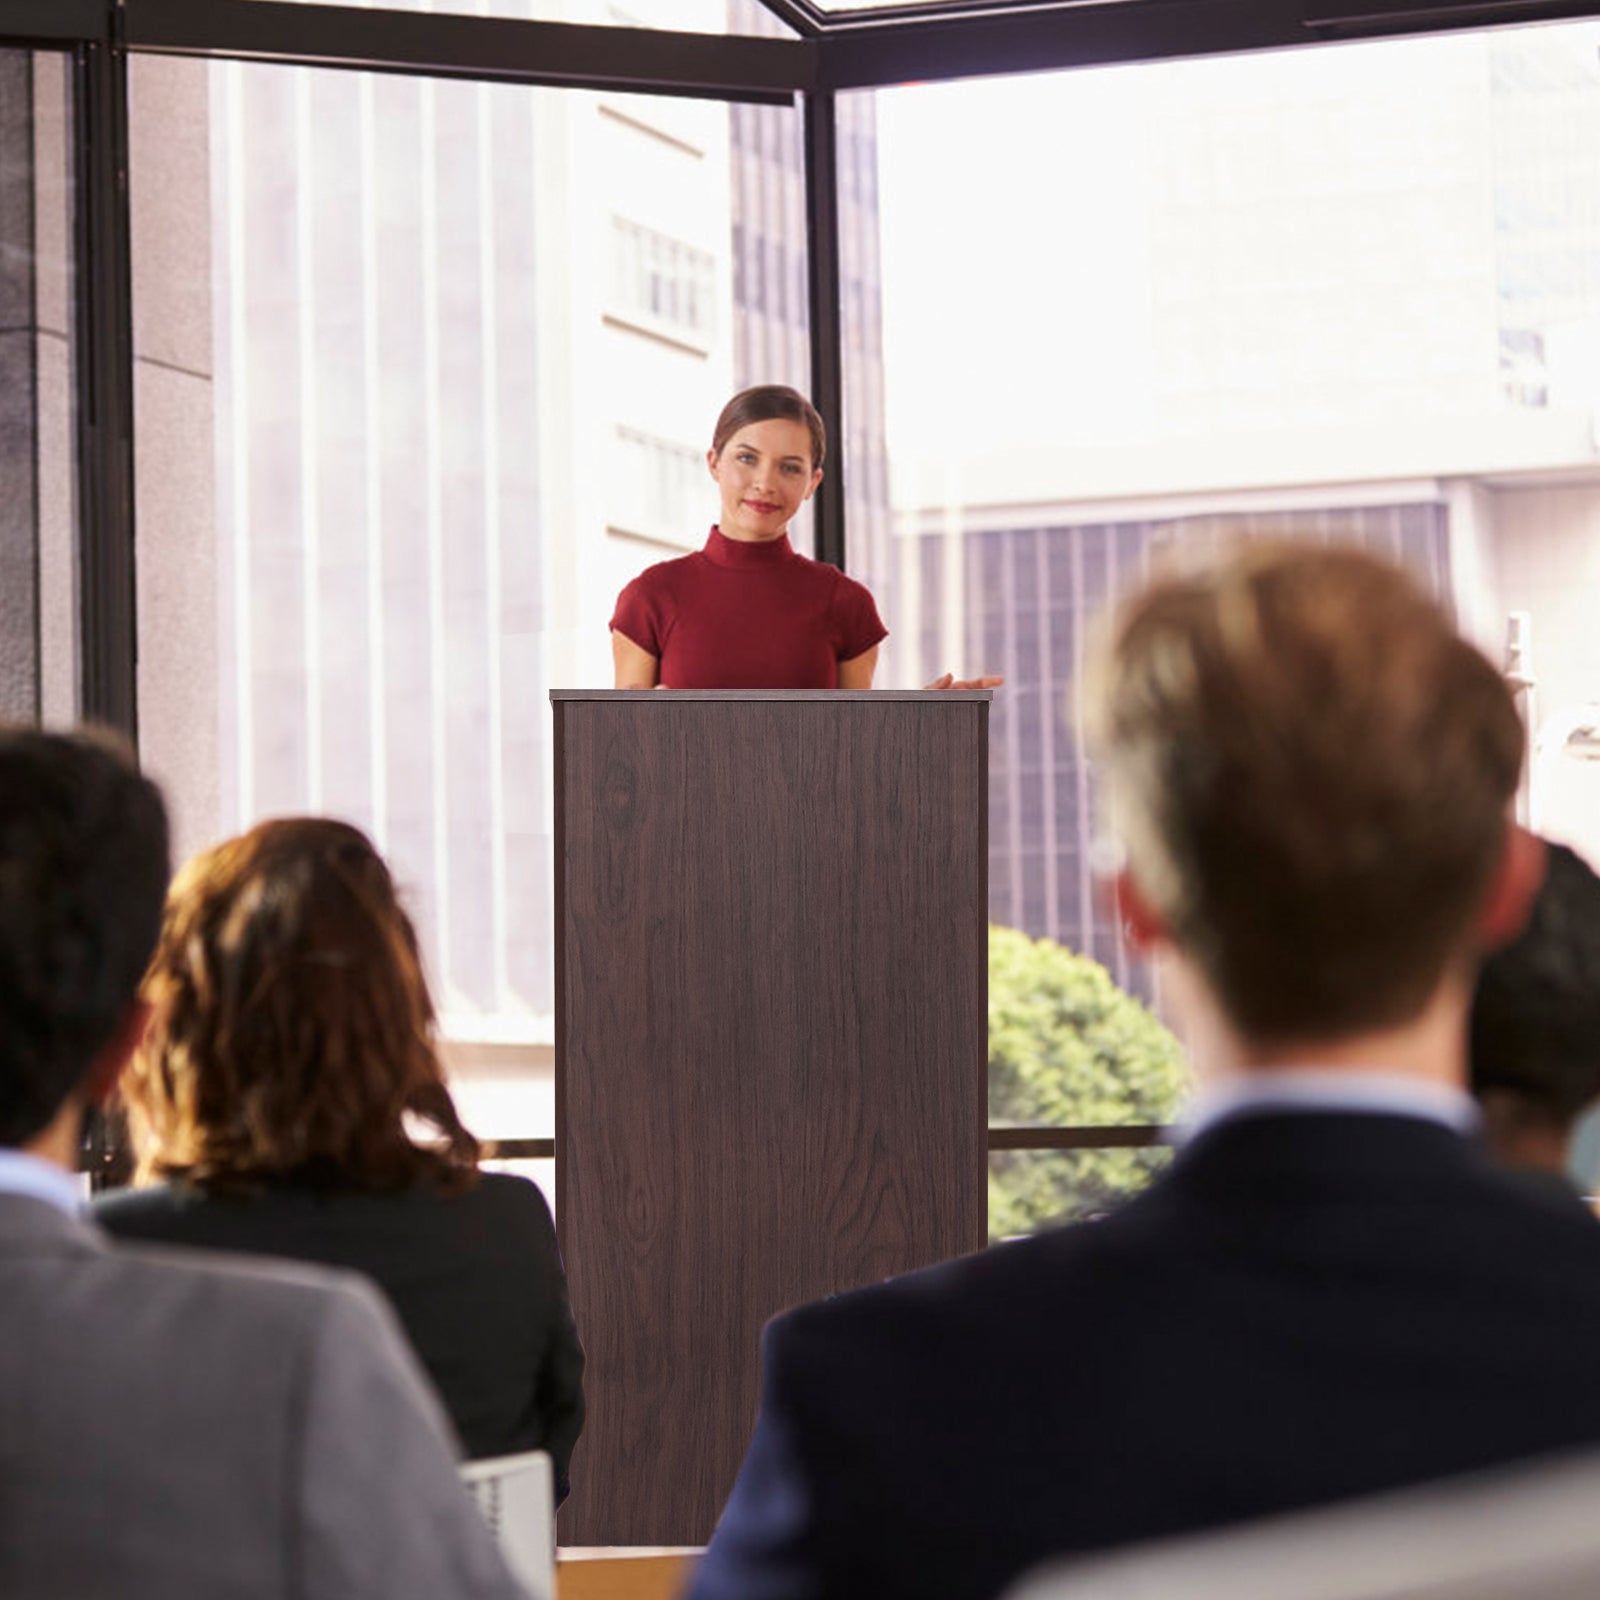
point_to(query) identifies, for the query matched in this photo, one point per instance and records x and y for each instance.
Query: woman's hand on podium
(950, 681)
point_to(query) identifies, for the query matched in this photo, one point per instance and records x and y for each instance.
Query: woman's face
(765, 475)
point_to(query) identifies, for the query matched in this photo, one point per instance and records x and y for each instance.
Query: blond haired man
(1330, 1293)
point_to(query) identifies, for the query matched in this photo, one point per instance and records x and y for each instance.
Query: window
(658, 488)
(395, 455)
(662, 284)
(1326, 294)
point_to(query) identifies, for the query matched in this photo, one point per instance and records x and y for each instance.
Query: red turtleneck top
(748, 616)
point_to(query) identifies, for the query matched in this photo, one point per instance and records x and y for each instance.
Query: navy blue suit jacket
(1306, 1307)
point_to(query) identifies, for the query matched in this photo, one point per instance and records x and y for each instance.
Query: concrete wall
(38, 588)
(19, 584)
(56, 456)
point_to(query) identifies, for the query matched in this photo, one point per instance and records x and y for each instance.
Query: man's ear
(1142, 925)
(116, 1053)
(1513, 888)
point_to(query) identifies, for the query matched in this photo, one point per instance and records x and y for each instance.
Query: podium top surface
(660, 695)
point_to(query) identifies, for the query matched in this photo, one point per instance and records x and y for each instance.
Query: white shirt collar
(37, 1179)
(1317, 1089)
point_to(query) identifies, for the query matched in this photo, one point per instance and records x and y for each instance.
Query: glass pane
(744, 17)
(1347, 293)
(506, 1091)
(426, 373)
(1030, 1190)
(38, 569)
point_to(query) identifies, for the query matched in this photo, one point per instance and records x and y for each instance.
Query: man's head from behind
(1535, 1036)
(1311, 772)
(83, 871)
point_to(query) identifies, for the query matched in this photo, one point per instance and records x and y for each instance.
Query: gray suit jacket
(171, 1425)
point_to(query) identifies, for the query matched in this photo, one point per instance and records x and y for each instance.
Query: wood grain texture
(771, 1051)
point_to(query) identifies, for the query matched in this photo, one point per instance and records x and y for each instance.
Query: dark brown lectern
(771, 980)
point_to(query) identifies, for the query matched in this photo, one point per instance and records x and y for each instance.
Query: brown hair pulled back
(291, 1027)
(769, 402)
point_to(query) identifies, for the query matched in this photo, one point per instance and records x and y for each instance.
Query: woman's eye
(745, 459)
(791, 468)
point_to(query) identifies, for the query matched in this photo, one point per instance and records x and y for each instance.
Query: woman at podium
(748, 611)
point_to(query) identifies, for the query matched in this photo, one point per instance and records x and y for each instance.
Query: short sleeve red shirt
(748, 616)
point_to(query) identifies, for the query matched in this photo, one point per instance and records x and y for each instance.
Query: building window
(662, 284)
(659, 486)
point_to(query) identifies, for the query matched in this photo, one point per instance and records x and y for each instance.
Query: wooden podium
(771, 1046)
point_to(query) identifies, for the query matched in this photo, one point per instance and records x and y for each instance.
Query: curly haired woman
(288, 1100)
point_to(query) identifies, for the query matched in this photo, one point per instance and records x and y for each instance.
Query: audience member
(173, 1426)
(1330, 1292)
(1535, 1034)
(290, 1040)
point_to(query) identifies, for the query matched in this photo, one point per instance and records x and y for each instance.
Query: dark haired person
(749, 611)
(1330, 1292)
(290, 1039)
(1535, 1033)
(170, 1425)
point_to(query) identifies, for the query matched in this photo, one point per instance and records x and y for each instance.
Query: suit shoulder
(1532, 1222)
(258, 1291)
(507, 1195)
(133, 1212)
(966, 1295)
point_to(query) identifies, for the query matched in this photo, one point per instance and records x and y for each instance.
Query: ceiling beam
(881, 50)
(928, 41)
(49, 21)
(492, 49)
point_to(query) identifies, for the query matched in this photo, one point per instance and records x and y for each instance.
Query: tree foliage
(1068, 1047)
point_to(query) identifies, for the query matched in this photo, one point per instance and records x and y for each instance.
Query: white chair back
(516, 1496)
(1527, 1533)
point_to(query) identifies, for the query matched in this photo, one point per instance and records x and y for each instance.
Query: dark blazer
(475, 1278)
(1306, 1307)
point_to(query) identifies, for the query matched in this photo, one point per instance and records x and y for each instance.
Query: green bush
(1067, 1046)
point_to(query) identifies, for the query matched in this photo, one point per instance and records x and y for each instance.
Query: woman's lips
(762, 505)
